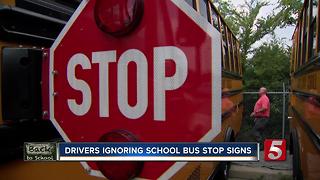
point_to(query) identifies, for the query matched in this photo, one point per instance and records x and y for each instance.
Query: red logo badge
(275, 149)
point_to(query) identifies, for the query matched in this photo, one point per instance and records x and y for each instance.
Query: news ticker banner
(141, 151)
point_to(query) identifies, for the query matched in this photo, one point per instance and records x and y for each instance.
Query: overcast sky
(285, 33)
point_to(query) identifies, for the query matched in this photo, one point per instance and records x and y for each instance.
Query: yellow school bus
(305, 94)
(26, 28)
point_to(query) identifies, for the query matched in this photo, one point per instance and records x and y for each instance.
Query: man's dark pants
(259, 126)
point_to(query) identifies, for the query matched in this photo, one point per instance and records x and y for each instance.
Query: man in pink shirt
(261, 113)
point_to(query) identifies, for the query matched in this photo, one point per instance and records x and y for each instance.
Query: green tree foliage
(268, 67)
(250, 27)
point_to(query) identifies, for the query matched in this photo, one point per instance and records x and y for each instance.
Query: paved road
(262, 170)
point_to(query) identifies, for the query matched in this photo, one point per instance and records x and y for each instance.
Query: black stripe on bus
(231, 75)
(52, 8)
(232, 92)
(305, 95)
(228, 113)
(24, 25)
(308, 67)
(315, 138)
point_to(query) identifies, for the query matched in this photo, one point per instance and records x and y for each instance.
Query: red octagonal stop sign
(161, 82)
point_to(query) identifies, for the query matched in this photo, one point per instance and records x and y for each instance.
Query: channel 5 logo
(275, 149)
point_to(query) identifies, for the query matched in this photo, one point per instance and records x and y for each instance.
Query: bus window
(298, 44)
(230, 50)
(203, 8)
(190, 2)
(236, 60)
(297, 48)
(315, 23)
(238, 56)
(225, 57)
(240, 59)
(292, 61)
(318, 21)
(214, 18)
(305, 34)
(295, 51)
(301, 30)
(313, 30)
(225, 47)
(315, 8)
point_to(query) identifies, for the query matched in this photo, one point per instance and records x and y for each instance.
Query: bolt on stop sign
(161, 81)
